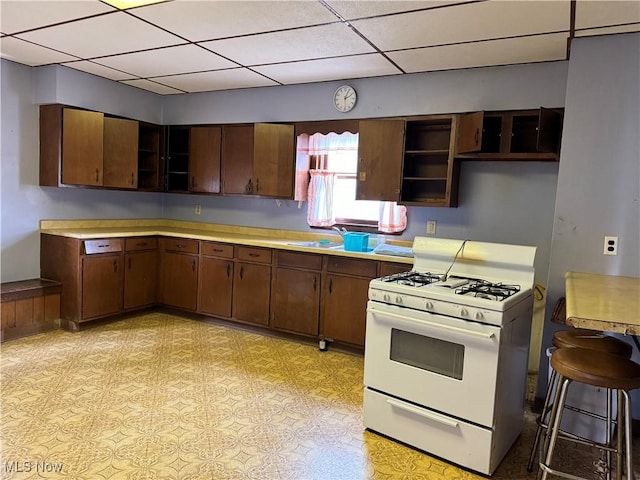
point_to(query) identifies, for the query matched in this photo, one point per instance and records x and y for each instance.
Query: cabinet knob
(97, 175)
(257, 185)
(132, 178)
(228, 270)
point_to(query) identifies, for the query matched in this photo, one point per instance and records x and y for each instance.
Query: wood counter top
(239, 235)
(603, 302)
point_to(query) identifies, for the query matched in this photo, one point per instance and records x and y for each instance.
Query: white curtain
(393, 217)
(320, 211)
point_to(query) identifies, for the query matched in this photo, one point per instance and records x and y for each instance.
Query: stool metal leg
(553, 430)
(627, 432)
(621, 417)
(546, 408)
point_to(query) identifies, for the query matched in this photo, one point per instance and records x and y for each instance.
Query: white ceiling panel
(371, 65)
(99, 70)
(216, 80)
(589, 32)
(209, 20)
(19, 15)
(591, 14)
(481, 54)
(167, 61)
(30, 54)
(105, 35)
(152, 87)
(352, 9)
(464, 23)
(292, 45)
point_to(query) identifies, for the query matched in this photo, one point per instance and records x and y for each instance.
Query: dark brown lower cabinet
(252, 285)
(216, 286)
(140, 279)
(101, 285)
(344, 299)
(180, 273)
(295, 294)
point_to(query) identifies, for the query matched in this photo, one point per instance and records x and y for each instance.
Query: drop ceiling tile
(359, 66)
(590, 32)
(352, 9)
(29, 54)
(152, 86)
(99, 70)
(167, 61)
(591, 13)
(292, 45)
(216, 80)
(464, 23)
(540, 48)
(17, 16)
(209, 20)
(105, 35)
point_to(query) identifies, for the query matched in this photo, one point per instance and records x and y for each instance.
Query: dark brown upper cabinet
(258, 159)
(510, 135)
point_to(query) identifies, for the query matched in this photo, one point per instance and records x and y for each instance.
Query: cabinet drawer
(353, 266)
(214, 249)
(388, 268)
(140, 243)
(260, 255)
(106, 245)
(306, 261)
(183, 245)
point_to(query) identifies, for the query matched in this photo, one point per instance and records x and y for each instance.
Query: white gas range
(446, 350)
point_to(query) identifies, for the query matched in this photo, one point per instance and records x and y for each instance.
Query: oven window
(427, 353)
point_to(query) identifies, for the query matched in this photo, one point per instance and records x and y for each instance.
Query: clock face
(345, 98)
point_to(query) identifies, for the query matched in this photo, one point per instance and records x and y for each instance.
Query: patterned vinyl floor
(159, 396)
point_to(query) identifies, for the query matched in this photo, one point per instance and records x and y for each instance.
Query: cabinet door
(140, 279)
(344, 309)
(204, 159)
(101, 285)
(380, 153)
(470, 132)
(296, 301)
(177, 161)
(237, 159)
(216, 286)
(180, 280)
(251, 292)
(82, 147)
(549, 131)
(120, 153)
(273, 160)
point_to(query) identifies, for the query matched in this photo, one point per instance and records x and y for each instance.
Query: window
(326, 169)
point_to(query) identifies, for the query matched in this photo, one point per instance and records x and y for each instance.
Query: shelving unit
(177, 174)
(149, 147)
(430, 175)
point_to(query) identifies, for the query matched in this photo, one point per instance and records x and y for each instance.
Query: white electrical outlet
(198, 209)
(610, 245)
(431, 227)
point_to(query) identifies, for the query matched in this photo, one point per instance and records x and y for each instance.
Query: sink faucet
(341, 231)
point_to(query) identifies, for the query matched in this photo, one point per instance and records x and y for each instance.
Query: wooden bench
(29, 307)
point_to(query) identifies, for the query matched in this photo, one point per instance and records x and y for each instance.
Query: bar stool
(577, 338)
(599, 369)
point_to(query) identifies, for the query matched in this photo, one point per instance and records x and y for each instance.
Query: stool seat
(593, 340)
(593, 367)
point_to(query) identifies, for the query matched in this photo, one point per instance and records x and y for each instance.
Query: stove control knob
(429, 305)
(479, 316)
(386, 298)
(398, 299)
(464, 312)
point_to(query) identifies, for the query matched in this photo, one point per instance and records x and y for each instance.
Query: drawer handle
(218, 250)
(423, 413)
(141, 244)
(193, 264)
(315, 283)
(331, 285)
(115, 265)
(228, 270)
(241, 272)
(254, 254)
(103, 245)
(180, 245)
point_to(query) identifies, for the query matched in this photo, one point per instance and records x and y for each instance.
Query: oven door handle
(450, 328)
(423, 413)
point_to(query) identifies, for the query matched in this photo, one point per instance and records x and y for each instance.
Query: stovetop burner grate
(488, 290)
(412, 279)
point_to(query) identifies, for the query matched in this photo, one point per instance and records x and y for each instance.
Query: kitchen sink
(317, 244)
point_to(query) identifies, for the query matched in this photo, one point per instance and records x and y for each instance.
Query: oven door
(443, 363)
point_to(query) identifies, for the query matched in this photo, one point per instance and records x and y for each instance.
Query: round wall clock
(345, 98)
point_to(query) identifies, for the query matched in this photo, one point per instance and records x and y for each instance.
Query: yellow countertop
(603, 302)
(250, 236)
